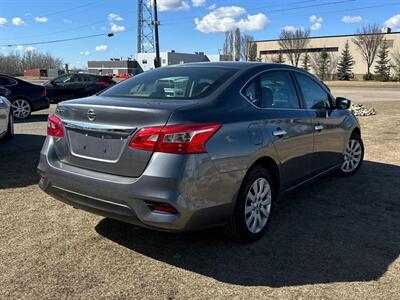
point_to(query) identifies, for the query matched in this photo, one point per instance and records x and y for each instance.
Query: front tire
(21, 108)
(253, 207)
(10, 128)
(353, 156)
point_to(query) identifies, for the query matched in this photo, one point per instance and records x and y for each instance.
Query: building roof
(330, 36)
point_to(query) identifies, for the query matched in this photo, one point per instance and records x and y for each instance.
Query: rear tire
(254, 205)
(10, 127)
(353, 156)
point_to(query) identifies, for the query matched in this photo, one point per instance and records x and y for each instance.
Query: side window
(251, 92)
(314, 95)
(278, 91)
(63, 79)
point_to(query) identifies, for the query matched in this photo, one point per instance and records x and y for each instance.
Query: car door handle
(318, 127)
(279, 132)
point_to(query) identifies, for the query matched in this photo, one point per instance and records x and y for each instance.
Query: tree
(252, 52)
(293, 42)
(345, 64)
(323, 64)
(247, 42)
(238, 44)
(382, 68)
(368, 39)
(231, 43)
(279, 59)
(306, 62)
(396, 58)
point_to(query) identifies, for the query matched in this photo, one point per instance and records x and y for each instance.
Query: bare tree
(238, 44)
(226, 44)
(231, 47)
(293, 43)
(396, 59)
(368, 39)
(247, 43)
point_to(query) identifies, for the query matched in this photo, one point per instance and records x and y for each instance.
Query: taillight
(103, 83)
(44, 93)
(174, 138)
(54, 126)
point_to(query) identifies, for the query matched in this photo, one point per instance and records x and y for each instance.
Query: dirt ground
(337, 238)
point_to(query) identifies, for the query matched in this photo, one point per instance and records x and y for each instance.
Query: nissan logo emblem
(91, 115)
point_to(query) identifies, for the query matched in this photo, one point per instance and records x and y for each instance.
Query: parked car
(69, 86)
(25, 97)
(217, 152)
(125, 75)
(6, 116)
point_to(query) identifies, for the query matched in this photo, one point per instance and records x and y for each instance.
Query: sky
(185, 25)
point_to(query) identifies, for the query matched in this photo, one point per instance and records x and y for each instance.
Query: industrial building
(114, 66)
(267, 50)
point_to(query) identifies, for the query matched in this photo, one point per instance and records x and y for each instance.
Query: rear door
(329, 133)
(286, 122)
(57, 88)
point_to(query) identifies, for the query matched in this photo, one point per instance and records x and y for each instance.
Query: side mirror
(342, 103)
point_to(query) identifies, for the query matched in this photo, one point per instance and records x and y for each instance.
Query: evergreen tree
(279, 59)
(322, 64)
(382, 68)
(306, 62)
(345, 64)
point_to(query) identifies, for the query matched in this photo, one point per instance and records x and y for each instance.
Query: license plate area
(96, 146)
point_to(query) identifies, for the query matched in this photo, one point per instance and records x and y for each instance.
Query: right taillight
(182, 139)
(54, 126)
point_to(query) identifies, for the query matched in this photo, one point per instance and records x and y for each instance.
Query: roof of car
(237, 65)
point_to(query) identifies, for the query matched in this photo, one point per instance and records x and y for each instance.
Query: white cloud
(117, 28)
(316, 22)
(212, 6)
(3, 48)
(289, 28)
(17, 21)
(114, 17)
(101, 48)
(393, 22)
(67, 21)
(41, 19)
(3, 21)
(84, 53)
(167, 5)
(225, 19)
(198, 3)
(28, 14)
(352, 19)
(30, 48)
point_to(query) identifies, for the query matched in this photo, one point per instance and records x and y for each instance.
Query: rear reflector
(44, 93)
(174, 138)
(103, 83)
(54, 126)
(163, 208)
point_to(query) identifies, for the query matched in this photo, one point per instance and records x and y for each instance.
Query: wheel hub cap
(352, 156)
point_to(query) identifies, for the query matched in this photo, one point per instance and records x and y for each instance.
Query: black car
(71, 86)
(25, 97)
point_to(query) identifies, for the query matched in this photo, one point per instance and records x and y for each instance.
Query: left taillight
(44, 93)
(178, 139)
(103, 83)
(54, 126)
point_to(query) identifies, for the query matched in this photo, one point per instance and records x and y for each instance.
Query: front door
(328, 122)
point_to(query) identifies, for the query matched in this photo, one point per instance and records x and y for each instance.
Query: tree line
(15, 63)
(369, 40)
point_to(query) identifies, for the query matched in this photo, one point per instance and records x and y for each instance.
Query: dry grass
(338, 238)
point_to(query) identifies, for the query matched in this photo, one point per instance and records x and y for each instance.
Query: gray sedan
(6, 116)
(186, 147)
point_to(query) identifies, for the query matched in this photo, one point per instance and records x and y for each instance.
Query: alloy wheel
(352, 156)
(21, 108)
(258, 205)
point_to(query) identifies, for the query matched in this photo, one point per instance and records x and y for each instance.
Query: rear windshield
(172, 83)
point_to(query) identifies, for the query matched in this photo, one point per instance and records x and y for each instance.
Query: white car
(6, 116)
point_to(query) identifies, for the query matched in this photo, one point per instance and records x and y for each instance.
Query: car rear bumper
(42, 103)
(202, 196)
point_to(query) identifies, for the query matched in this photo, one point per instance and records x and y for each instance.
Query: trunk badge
(91, 115)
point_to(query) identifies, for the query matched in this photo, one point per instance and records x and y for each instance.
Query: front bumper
(202, 196)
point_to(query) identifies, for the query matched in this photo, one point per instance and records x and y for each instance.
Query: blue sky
(186, 25)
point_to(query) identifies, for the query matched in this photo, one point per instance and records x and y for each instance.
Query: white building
(146, 60)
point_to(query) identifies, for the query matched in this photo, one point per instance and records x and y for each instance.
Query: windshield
(172, 83)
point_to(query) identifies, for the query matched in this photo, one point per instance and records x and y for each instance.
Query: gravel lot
(337, 238)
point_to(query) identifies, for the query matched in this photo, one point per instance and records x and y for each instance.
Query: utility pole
(157, 60)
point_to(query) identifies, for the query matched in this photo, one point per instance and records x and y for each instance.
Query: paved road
(366, 95)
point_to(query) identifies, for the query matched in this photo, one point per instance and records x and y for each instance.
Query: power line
(74, 8)
(59, 41)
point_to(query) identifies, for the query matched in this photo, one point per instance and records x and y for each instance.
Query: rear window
(172, 83)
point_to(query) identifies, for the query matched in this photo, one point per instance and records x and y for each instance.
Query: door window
(63, 79)
(314, 95)
(251, 93)
(277, 90)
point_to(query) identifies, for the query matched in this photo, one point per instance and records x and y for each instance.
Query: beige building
(268, 50)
